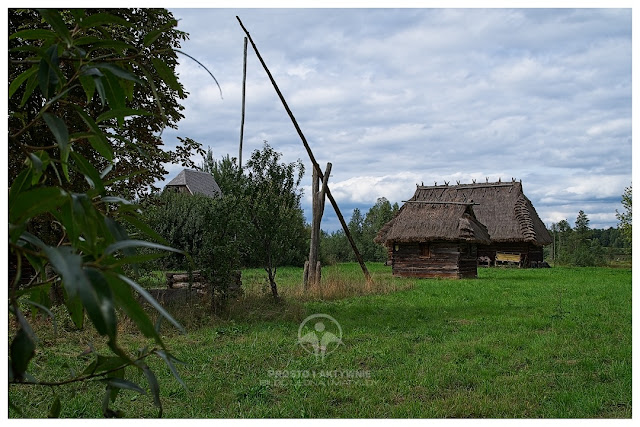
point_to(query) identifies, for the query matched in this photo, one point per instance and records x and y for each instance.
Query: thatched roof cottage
(434, 239)
(517, 232)
(194, 182)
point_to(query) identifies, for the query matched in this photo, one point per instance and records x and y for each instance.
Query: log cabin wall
(434, 259)
(468, 262)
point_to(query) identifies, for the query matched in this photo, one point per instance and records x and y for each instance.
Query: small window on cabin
(424, 250)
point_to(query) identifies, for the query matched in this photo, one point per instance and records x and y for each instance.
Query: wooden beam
(244, 87)
(431, 202)
(315, 164)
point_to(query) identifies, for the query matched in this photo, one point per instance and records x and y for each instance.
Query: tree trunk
(271, 272)
(272, 283)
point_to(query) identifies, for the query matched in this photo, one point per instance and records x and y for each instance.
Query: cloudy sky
(396, 97)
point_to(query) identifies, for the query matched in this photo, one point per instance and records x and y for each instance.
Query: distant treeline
(579, 245)
(584, 246)
(334, 247)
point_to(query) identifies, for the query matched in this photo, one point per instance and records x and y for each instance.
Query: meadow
(514, 343)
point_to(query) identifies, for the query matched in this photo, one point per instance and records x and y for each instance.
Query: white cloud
(610, 127)
(394, 97)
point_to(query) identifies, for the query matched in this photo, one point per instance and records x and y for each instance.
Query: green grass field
(552, 343)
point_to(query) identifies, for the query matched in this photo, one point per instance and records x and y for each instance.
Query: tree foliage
(204, 227)
(272, 202)
(577, 246)
(89, 91)
(335, 247)
(106, 94)
(258, 221)
(624, 218)
(585, 246)
(582, 224)
(226, 172)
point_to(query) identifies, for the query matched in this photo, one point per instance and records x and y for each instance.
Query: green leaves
(88, 284)
(22, 350)
(169, 359)
(138, 243)
(59, 130)
(61, 133)
(53, 18)
(34, 34)
(121, 113)
(54, 411)
(143, 292)
(77, 227)
(167, 75)
(35, 202)
(154, 34)
(154, 386)
(18, 81)
(100, 19)
(124, 384)
(91, 175)
(99, 140)
(48, 72)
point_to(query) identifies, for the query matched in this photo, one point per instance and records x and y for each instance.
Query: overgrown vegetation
(90, 93)
(257, 222)
(625, 217)
(515, 343)
(90, 90)
(582, 246)
(335, 248)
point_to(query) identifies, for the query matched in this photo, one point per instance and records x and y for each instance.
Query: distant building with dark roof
(194, 182)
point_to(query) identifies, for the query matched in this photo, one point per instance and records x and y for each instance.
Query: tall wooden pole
(315, 164)
(311, 275)
(244, 86)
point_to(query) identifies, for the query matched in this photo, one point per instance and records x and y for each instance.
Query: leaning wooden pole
(244, 86)
(315, 164)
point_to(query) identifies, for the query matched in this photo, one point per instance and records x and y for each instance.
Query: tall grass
(514, 343)
(338, 281)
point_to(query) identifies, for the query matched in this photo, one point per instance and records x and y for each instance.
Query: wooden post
(244, 86)
(315, 164)
(311, 277)
(305, 273)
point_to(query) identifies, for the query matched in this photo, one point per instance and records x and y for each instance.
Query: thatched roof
(196, 182)
(502, 207)
(424, 222)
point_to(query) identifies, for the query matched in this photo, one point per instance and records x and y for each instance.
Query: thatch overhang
(196, 182)
(502, 207)
(422, 221)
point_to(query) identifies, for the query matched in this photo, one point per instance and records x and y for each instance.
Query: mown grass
(553, 343)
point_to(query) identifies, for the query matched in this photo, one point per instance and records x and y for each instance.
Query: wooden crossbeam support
(315, 164)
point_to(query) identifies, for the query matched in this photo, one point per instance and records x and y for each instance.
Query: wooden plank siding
(441, 259)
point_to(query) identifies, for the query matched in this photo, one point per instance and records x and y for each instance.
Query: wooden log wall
(445, 259)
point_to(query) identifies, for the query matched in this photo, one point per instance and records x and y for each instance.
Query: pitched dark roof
(502, 207)
(424, 222)
(196, 182)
